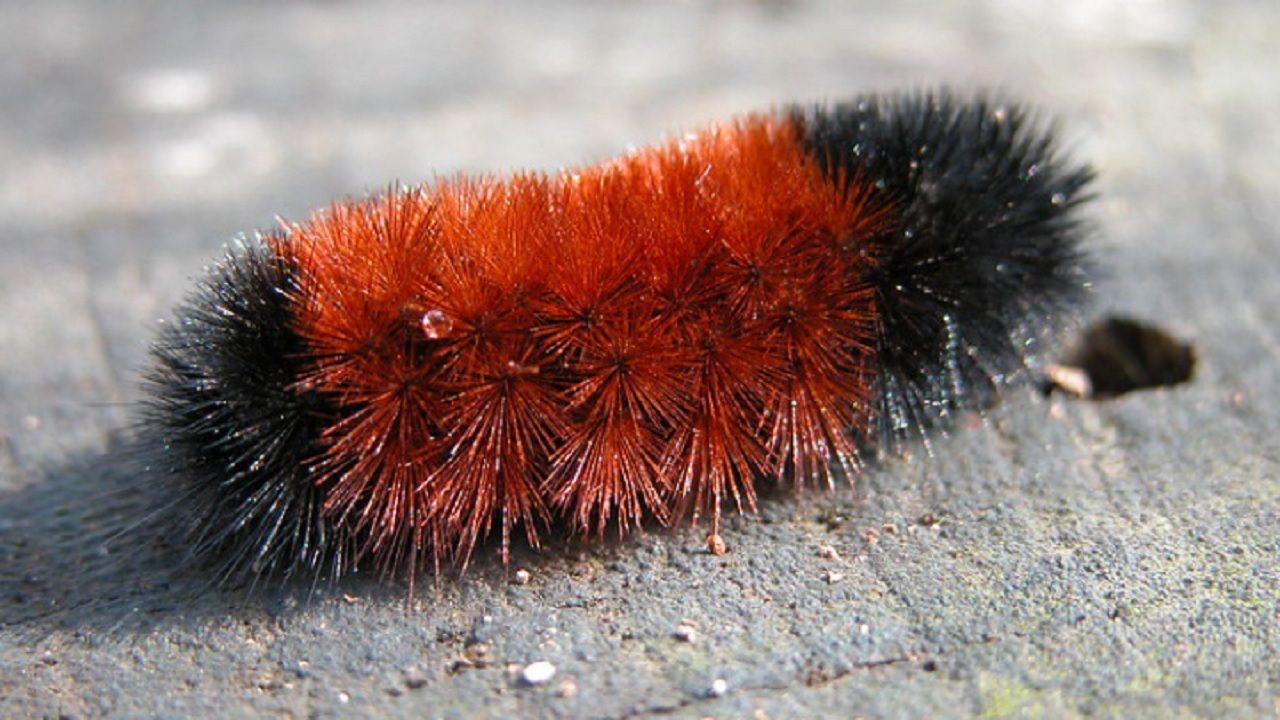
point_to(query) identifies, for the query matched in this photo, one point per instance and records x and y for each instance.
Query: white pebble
(538, 672)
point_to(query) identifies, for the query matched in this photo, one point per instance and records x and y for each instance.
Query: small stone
(537, 673)
(716, 544)
(522, 577)
(344, 698)
(828, 552)
(719, 687)
(414, 678)
(567, 689)
(928, 519)
(871, 536)
(1072, 380)
(686, 633)
(832, 577)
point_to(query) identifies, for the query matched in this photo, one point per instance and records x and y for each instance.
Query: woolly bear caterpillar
(396, 378)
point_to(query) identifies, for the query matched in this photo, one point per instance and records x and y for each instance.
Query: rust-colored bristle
(637, 340)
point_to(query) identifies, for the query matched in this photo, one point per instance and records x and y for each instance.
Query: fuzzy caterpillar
(397, 378)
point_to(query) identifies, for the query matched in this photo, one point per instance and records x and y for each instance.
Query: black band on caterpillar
(984, 249)
(229, 432)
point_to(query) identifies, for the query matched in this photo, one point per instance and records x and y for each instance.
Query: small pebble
(537, 673)
(828, 552)
(719, 687)
(686, 633)
(832, 577)
(414, 679)
(567, 689)
(522, 577)
(716, 544)
(1072, 380)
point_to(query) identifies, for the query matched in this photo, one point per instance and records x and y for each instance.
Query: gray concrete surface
(1088, 559)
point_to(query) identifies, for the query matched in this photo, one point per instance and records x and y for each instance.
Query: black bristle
(230, 431)
(983, 256)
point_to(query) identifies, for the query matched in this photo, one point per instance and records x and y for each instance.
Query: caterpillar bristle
(399, 378)
(984, 254)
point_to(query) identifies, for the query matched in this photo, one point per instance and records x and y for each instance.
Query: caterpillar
(397, 378)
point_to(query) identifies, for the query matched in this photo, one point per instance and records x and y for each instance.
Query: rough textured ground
(1113, 559)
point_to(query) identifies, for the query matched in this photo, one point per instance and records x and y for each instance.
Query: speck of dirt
(716, 544)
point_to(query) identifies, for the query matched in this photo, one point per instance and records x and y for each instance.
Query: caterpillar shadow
(86, 549)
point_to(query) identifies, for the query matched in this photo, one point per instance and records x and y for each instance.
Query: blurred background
(138, 137)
